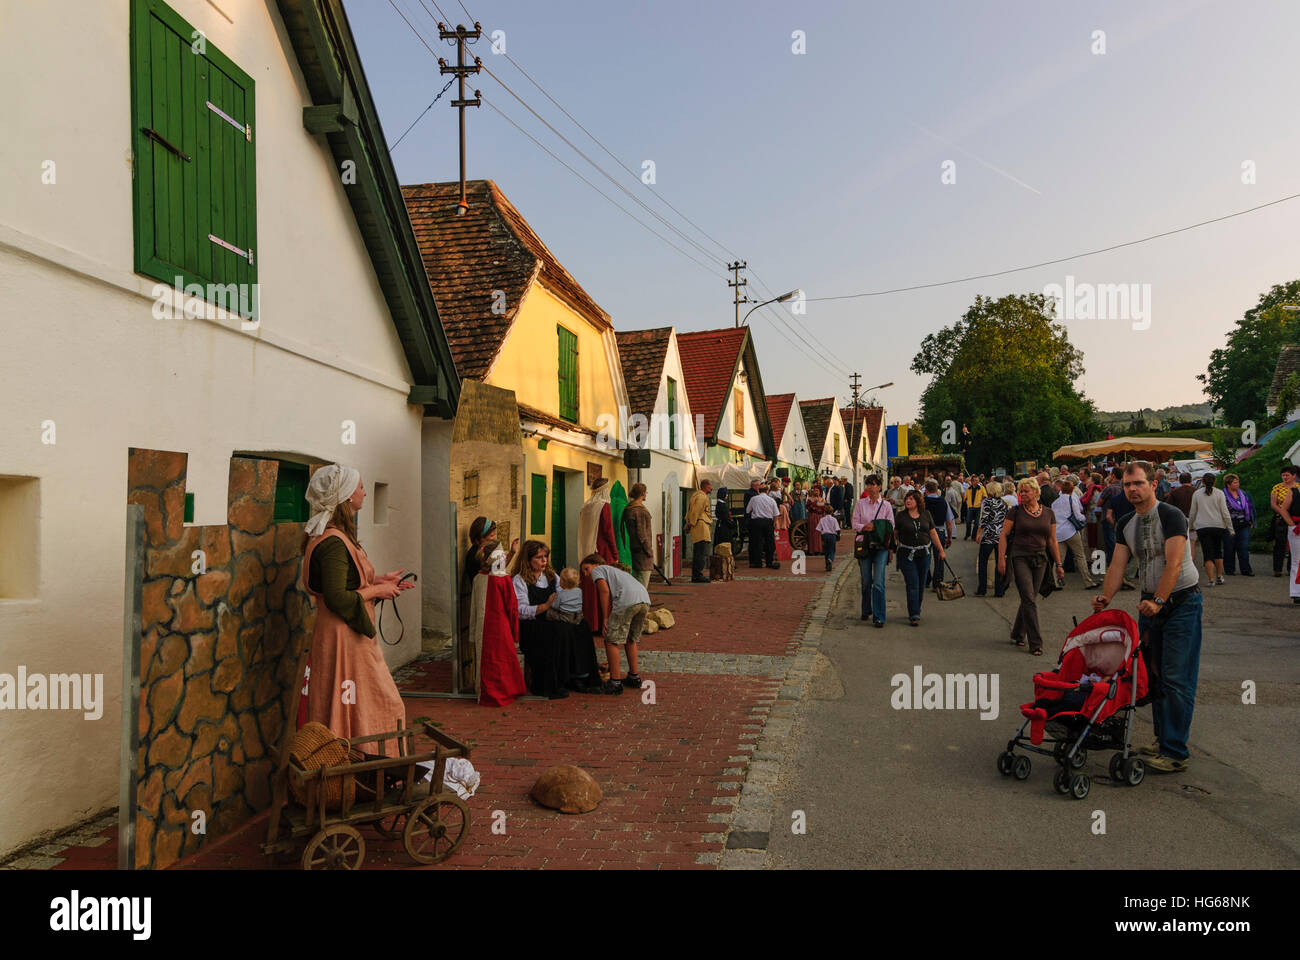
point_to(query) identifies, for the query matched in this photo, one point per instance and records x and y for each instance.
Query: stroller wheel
(1022, 768)
(1116, 773)
(1080, 783)
(1005, 762)
(1080, 759)
(1132, 771)
(1061, 782)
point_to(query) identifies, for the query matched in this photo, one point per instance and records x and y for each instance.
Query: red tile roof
(709, 359)
(874, 417)
(642, 353)
(778, 409)
(470, 256)
(866, 417)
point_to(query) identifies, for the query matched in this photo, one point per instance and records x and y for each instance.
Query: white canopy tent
(733, 475)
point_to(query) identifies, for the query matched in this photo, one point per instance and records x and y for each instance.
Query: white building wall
(751, 440)
(84, 350)
(794, 447)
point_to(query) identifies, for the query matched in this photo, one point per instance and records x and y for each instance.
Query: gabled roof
(710, 361)
(868, 418)
(817, 421)
(472, 255)
(345, 114)
(642, 354)
(1288, 362)
(778, 411)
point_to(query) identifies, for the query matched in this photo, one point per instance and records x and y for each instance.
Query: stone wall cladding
(217, 655)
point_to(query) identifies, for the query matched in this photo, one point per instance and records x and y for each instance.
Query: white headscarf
(329, 486)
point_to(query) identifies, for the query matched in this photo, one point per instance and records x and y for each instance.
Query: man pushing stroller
(1169, 614)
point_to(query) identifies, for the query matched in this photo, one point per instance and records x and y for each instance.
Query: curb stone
(752, 814)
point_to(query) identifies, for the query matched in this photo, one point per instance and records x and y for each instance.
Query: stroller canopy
(1105, 640)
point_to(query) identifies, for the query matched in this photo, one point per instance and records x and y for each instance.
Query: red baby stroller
(1088, 702)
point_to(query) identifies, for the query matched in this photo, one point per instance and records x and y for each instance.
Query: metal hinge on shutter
(244, 128)
(238, 251)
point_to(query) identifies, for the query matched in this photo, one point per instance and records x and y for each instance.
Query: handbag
(949, 589)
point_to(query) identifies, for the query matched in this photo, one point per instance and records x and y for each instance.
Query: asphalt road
(882, 788)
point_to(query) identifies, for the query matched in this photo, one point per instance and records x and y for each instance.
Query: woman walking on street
(1242, 510)
(993, 510)
(873, 519)
(1070, 525)
(1209, 520)
(916, 536)
(817, 508)
(1028, 531)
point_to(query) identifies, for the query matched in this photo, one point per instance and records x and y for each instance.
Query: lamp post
(857, 486)
(781, 299)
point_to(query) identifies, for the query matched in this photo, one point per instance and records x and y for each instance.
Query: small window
(291, 493)
(20, 510)
(469, 489)
(837, 448)
(189, 508)
(379, 509)
(672, 414)
(739, 415)
(537, 505)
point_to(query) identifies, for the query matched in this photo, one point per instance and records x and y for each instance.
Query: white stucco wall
(794, 447)
(751, 440)
(83, 349)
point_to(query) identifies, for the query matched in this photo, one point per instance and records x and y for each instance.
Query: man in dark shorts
(1169, 615)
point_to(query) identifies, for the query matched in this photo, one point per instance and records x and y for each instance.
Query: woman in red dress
(817, 508)
(494, 629)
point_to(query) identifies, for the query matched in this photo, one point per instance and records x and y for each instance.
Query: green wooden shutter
(195, 195)
(537, 506)
(291, 493)
(568, 344)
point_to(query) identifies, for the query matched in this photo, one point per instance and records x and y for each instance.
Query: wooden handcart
(383, 796)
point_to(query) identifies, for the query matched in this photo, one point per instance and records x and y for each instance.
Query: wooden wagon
(383, 795)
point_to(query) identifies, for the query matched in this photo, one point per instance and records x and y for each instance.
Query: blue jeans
(1108, 538)
(1176, 653)
(828, 548)
(915, 572)
(872, 570)
(1236, 550)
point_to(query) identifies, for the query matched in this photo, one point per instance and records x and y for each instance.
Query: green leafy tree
(1288, 398)
(1240, 374)
(1007, 371)
(917, 441)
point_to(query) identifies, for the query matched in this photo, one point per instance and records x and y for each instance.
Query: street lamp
(781, 299)
(853, 426)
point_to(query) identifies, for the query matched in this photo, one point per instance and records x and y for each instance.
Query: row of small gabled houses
(214, 283)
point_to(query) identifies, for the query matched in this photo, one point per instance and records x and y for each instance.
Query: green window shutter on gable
(195, 177)
(568, 344)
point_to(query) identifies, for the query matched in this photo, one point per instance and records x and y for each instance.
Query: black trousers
(699, 559)
(762, 541)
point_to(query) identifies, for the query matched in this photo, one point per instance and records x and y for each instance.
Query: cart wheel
(1132, 771)
(799, 535)
(1005, 762)
(337, 847)
(1116, 772)
(1080, 783)
(1022, 768)
(435, 828)
(391, 827)
(1080, 759)
(1061, 782)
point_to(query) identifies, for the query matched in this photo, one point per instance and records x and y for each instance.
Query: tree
(1239, 375)
(917, 441)
(1007, 371)
(1288, 398)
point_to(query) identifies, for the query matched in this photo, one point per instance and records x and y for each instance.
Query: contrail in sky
(1000, 172)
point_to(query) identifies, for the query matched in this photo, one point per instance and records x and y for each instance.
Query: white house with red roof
(726, 389)
(793, 451)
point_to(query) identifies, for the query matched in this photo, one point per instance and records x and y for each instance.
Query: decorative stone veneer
(217, 656)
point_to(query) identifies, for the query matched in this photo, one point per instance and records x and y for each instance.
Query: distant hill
(1157, 419)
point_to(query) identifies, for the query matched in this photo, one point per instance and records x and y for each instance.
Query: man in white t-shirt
(624, 606)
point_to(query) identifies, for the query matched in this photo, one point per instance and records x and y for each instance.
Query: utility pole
(855, 382)
(461, 70)
(735, 267)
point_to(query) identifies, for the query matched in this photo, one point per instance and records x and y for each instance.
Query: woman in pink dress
(350, 689)
(817, 508)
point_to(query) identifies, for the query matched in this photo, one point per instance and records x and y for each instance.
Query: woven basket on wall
(313, 747)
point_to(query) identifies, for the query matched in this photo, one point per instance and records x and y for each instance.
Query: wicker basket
(313, 747)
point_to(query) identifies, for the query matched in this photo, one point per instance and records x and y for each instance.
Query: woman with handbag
(915, 535)
(344, 649)
(1029, 531)
(873, 528)
(1242, 511)
(1209, 521)
(1070, 525)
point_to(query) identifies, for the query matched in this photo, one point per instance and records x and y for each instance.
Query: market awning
(1137, 448)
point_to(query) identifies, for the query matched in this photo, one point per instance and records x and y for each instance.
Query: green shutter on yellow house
(568, 345)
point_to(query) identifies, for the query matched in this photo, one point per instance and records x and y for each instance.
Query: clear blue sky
(823, 170)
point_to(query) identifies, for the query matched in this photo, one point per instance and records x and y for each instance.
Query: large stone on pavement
(568, 789)
(663, 616)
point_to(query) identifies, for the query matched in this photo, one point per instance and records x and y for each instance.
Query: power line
(558, 160)
(1049, 263)
(445, 88)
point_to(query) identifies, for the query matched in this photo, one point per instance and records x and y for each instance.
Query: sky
(825, 169)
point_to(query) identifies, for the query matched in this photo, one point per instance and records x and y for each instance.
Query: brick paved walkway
(673, 771)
